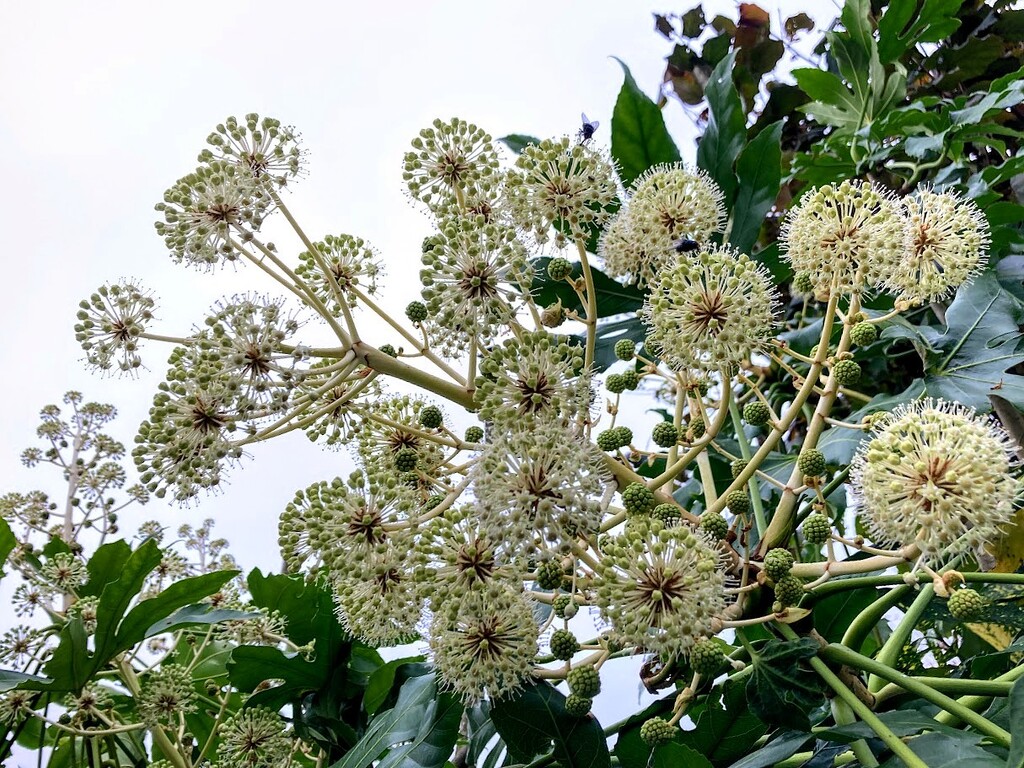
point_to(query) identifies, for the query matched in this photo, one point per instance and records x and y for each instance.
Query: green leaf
(381, 681)
(902, 722)
(639, 136)
(12, 678)
(7, 543)
(533, 719)
(435, 740)
(1016, 758)
(193, 615)
(775, 751)
(782, 690)
(613, 298)
(944, 750)
(833, 615)
(900, 29)
(147, 613)
(394, 726)
(517, 142)
(725, 727)
(759, 169)
(980, 342)
(726, 132)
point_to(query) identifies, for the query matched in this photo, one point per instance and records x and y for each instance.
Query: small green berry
(406, 459)
(697, 428)
(777, 564)
(564, 644)
(631, 379)
(737, 467)
(559, 269)
(847, 372)
(738, 502)
(668, 514)
(615, 383)
(656, 732)
(431, 417)
(416, 311)
(789, 590)
(665, 434)
(817, 528)
(713, 524)
(638, 499)
(389, 350)
(863, 334)
(560, 604)
(967, 605)
(625, 349)
(756, 413)
(549, 575)
(584, 681)
(811, 462)
(433, 501)
(707, 657)
(803, 282)
(474, 434)
(577, 706)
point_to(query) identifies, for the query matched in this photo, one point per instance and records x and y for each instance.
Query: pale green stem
(591, 317)
(745, 453)
(699, 446)
(843, 655)
(974, 703)
(889, 653)
(843, 715)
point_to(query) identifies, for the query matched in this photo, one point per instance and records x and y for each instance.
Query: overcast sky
(104, 105)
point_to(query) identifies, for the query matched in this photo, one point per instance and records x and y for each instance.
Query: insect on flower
(589, 128)
(686, 245)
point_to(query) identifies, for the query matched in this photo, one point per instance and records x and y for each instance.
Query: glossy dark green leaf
(393, 726)
(783, 689)
(7, 543)
(481, 730)
(759, 170)
(533, 721)
(904, 25)
(945, 750)
(380, 682)
(980, 343)
(12, 678)
(834, 614)
(726, 132)
(639, 136)
(434, 742)
(196, 615)
(613, 298)
(517, 142)
(775, 751)
(181, 593)
(725, 728)
(902, 722)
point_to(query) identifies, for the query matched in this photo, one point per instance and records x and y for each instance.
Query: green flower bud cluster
(715, 525)
(351, 265)
(563, 644)
(109, 324)
(707, 657)
(756, 413)
(655, 732)
(789, 590)
(614, 438)
(584, 681)
(817, 528)
(778, 563)
(811, 462)
(638, 499)
(967, 605)
(665, 434)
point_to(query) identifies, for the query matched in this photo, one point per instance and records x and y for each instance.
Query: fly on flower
(589, 128)
(686, 245)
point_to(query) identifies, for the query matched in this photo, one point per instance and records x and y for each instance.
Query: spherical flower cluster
(845, 238)
(263, 147)
(945, 243)
(673, 203)
(253, 737)
(110, 323)
(388, 428)
(474, 272)
(463, 558)
(485, 644)
(380, 603)
(631, 253)
(332, 394)
(64, 572)
(184, 442)
(446, 160)
(205, 210)
(710, 309)
(529, 379)
(937, 475)
(539, 489)
(660, 587)
(342, 265)
(562, 184)
(167, 694)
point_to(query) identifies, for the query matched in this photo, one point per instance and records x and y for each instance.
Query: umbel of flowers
(509, 493)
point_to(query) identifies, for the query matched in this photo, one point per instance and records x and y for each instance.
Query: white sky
(103, 105)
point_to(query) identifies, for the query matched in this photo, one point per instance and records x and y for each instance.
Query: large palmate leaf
(980, 342)
(782, 690)
(904, 25)
(726, 132)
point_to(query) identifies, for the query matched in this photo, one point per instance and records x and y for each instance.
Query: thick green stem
(755, 489)
(842, 713)
(391, 366)
(974, 703)
(889, 654)
(591, 317)
(867, 619)
(840, 654)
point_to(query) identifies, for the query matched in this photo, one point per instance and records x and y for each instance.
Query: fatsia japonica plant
(813, 551)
